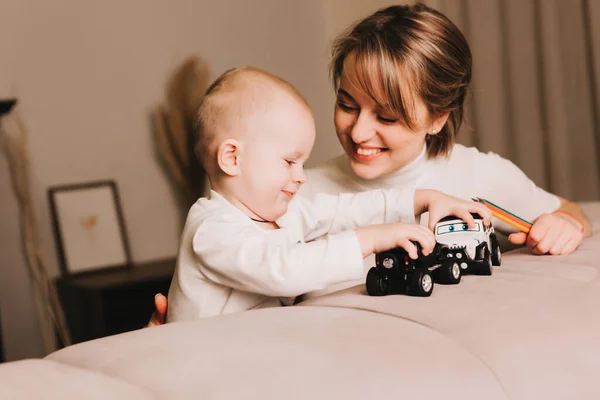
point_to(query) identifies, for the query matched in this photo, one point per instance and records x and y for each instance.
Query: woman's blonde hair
(408, 51)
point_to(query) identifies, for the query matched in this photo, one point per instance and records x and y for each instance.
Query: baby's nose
(299, 176)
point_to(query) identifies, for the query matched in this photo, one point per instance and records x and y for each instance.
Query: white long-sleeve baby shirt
(228, 263)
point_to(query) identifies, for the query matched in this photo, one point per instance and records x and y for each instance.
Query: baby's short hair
(234, 95)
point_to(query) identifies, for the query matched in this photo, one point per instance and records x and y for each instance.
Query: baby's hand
(441, 205)
(378, 238)
(406, 234)
(160, 313)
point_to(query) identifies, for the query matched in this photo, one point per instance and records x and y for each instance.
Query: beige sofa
(530, 331)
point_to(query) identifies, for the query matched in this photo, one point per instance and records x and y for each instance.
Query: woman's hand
(441, 205)
(159, 315)
(555, 234)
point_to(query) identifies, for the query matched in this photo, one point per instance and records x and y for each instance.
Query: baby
(253, 243)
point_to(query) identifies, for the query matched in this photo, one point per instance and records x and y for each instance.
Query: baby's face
(272, 163)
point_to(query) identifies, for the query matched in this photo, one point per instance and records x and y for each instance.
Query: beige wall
(343, 13)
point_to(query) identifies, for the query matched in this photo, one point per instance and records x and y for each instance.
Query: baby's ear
(228, 157)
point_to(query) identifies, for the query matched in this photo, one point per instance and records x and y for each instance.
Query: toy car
(474, 250)
(459, 249)
(396, 273)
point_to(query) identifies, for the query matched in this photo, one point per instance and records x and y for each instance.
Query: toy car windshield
(452, 227)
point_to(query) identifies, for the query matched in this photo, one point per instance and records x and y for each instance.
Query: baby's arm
(371, 239)
(239, 257)
(324, 214)
(266, 263)
(378, 238)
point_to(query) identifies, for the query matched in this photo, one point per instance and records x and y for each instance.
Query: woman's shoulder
(460, 152)
(469, 164)
(470, 157)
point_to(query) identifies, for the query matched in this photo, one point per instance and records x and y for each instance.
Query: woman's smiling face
(376, 140)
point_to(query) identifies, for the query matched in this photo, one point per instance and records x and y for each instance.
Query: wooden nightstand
(112, 301)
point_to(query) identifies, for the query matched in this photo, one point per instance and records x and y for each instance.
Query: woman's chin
(366, 171)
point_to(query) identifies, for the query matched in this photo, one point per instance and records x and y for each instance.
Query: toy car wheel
(376, 284)
(449, 273)
(421, 284)
(496, 253)
(485, 268)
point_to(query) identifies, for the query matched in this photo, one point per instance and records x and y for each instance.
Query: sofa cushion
(291, 353)
(46, 379)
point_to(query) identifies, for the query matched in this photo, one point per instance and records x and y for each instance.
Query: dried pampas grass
(13, 140)
(173, 125)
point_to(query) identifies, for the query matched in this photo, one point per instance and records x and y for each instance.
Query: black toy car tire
(376, 283)
(496, 253)
(485, 268)
(449, 273)
(421, 284)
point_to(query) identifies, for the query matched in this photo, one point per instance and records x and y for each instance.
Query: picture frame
(89, 228)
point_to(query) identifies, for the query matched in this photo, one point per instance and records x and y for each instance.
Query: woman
(401, 76)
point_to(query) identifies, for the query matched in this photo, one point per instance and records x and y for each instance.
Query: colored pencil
(506, 216)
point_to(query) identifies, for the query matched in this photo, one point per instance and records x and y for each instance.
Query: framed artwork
(88, 227)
